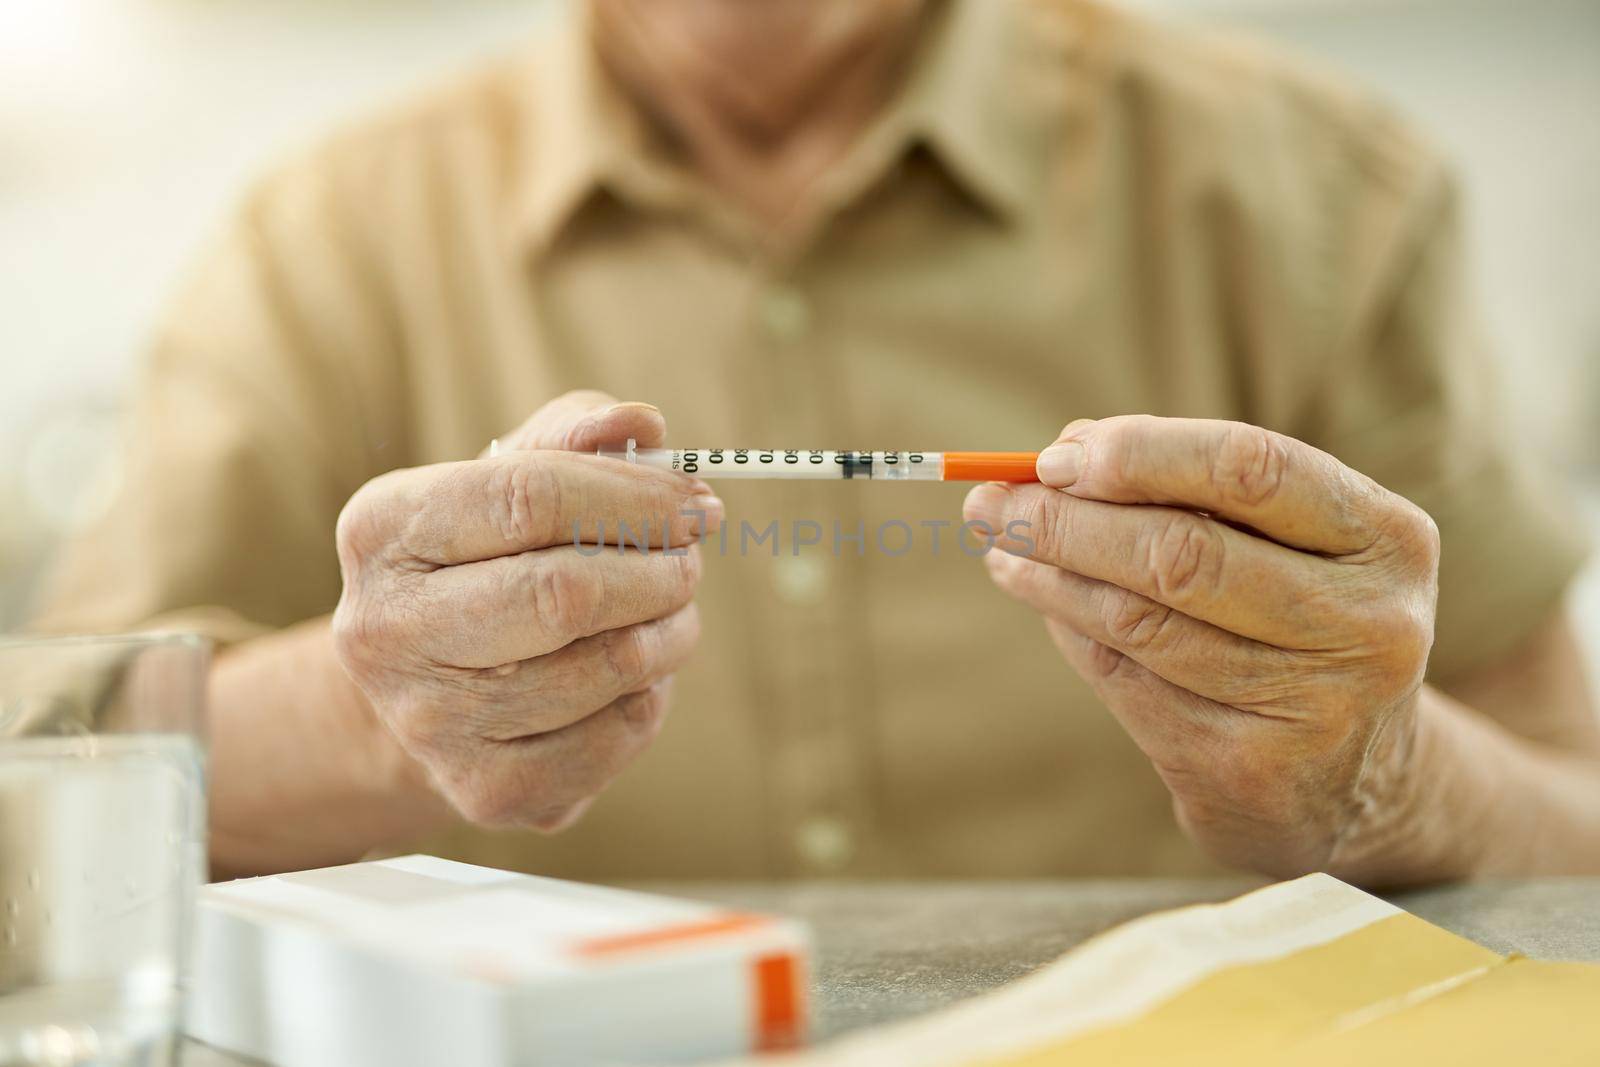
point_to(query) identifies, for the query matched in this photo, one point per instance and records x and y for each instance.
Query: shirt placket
(815, 638)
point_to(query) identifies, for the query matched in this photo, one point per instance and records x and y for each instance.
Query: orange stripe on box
(779, 1008)
(665, 935)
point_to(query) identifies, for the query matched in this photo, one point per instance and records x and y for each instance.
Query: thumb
(585, 419)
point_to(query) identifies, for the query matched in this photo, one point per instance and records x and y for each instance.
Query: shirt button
(800, 581)
(824, 843)
(785, 314)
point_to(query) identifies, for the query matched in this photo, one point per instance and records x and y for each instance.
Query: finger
(514, 608)
(1203, 568)
(1285, 489)
(536, 696)
(1191, 654)
(1237, 780)
(452, 513)
(585, 419)
(563, 818)
(537, 780)
(1179, 731)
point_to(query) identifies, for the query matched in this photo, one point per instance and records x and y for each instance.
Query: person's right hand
(522, 672)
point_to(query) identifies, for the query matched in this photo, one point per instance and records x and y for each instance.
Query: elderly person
(1281, 538)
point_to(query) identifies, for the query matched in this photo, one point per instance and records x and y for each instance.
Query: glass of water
(102, 845)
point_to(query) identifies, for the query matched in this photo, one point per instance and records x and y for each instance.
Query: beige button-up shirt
(1068, 212)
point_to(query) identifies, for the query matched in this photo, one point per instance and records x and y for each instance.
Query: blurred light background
(128, 127)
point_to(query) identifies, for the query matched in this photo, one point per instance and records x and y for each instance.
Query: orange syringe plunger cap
(990, 466)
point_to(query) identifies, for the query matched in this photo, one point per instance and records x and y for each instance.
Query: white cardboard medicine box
(420, 962)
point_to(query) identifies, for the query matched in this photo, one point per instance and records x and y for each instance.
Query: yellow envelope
(1311, 972)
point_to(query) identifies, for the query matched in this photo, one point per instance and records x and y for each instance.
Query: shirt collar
(569, 141)
(960, 102)
(971, 98)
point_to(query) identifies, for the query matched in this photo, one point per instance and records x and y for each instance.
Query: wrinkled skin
(1257, 616)
(522, 671)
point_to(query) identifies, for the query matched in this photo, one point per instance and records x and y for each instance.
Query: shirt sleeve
(1410, 398)
(259, 409)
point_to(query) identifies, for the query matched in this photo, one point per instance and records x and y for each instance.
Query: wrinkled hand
(522, 672)
(1254, 613)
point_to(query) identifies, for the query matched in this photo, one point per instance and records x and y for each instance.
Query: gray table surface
(888, 951)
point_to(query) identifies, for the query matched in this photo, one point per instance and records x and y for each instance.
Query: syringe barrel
(798, 464)
(810, 463)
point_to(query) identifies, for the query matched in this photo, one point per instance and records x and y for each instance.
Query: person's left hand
(1256, 614)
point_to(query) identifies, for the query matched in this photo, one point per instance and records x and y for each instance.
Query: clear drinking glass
(102, 845)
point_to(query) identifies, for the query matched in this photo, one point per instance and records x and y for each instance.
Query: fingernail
(707, 504)
(625, 404)
(599, 416)
(1002, 564)
(987, 504)
(1060, 464)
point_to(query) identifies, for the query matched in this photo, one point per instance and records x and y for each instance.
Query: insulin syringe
(821, 463)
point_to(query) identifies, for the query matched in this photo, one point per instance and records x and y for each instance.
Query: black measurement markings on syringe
(853, 463)
(850, 462)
